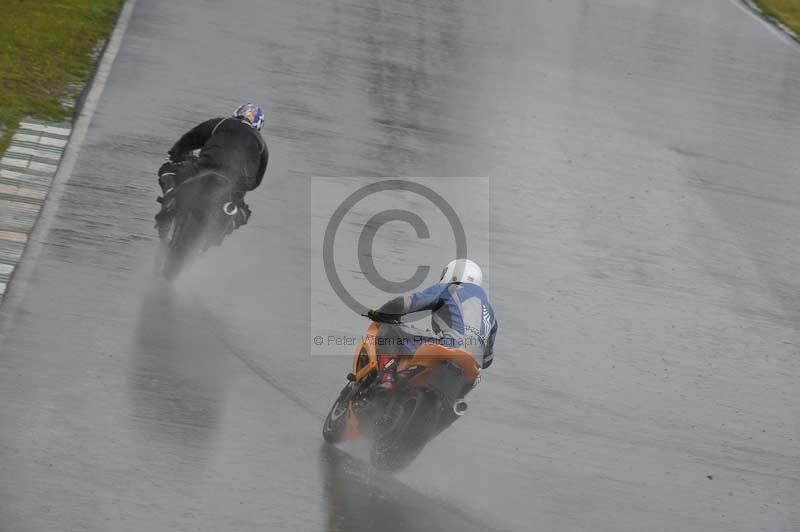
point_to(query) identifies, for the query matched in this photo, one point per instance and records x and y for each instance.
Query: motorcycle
(202, 212)
(426, 397)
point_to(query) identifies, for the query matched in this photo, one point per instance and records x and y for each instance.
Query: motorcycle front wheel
(181, 244)
(336, 422)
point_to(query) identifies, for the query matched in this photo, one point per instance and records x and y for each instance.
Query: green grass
(45, 55)
(787, 11)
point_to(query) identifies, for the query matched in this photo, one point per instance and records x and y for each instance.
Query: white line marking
(10, 174)
(41, 133)
(14, 236)
(34, 152)
(6, 269)
(35, 145)
(11, 254)
(21, 182)
(49, 141)
(64, 131)
(32, 127)
(27, 138)
(2, 288)
(23, 177)
(771, 27)
(22, 163)
(25, 192)
(42, 167)
(10, 206)
(57, 130)
(73, 148)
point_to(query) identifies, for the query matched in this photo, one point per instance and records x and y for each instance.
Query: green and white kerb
(26, 172)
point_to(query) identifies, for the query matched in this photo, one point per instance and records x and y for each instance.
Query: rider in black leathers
(230, 146)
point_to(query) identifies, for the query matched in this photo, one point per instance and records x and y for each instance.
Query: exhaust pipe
(230, 208)
(460, 407)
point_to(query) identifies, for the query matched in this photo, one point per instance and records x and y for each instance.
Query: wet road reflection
(176, 384)
(359, 498)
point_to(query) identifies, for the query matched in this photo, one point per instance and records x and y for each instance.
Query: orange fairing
(427, 355)
(362, 366)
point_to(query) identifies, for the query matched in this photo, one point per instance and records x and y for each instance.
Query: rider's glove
(176, 157)
(378, 316)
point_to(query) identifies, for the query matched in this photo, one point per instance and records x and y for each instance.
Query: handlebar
(391, 321)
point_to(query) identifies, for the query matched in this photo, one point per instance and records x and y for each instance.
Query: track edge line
(87, 105)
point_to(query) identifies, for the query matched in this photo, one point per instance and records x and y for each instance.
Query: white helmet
(462, 271)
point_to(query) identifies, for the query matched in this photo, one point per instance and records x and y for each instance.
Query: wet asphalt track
(645, 265)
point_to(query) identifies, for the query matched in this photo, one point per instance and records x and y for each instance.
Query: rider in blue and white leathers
(461, 315)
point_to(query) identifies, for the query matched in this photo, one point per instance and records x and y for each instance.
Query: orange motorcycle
(426, 394)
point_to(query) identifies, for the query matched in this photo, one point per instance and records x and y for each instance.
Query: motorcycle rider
(461, 316)
(230, 146)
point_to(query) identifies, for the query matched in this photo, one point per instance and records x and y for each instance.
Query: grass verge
(46, 56)
(787, 11)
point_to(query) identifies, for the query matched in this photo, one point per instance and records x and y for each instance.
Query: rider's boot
(163, 221)
(167, 182)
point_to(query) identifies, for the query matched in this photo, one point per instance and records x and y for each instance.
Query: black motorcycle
(201, 212)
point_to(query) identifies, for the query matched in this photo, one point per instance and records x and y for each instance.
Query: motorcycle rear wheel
(181, 245)
(401, 436)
